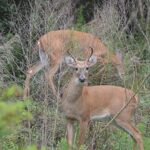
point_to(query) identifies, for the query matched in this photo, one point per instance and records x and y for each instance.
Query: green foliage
(83, 147)
(5, 11)
(146, 139)
(121, 140)
(12, 113)
(30, 21)
(32, 147)
(80, 19)
(10, 92)
(14, 65)
(62, 145)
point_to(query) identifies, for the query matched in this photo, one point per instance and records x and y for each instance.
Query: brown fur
(84, 103)
(54, 44)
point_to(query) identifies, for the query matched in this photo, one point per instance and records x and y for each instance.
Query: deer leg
(82, 134)
(120, 70)
(134, 132)
(50, 73)
(31, 71)
(70, 133)
(118, 62)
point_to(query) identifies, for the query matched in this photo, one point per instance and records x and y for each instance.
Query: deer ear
(92, 60)
(70, 61)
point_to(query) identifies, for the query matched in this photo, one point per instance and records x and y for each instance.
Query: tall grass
(19, 53)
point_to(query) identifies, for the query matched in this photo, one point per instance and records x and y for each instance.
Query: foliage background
(122, 25)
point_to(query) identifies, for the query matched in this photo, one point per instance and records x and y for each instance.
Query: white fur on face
(77, 82)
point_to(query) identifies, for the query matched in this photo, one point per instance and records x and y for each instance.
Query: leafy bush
(29, 21)
(12, 112)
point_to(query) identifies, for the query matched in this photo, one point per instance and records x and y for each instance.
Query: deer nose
(82, 79)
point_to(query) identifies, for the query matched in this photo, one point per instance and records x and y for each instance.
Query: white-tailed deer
(53, 45)
(84, 103)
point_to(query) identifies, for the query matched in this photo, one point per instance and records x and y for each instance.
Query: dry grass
(48, 125)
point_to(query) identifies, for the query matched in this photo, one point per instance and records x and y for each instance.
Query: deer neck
(74, 90)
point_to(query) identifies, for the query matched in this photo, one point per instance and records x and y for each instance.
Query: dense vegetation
(37, 123)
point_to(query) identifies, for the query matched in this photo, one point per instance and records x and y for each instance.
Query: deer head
(81, 67)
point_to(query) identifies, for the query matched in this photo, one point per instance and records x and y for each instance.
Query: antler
(74, 57)
(71, 55)
(91, 53)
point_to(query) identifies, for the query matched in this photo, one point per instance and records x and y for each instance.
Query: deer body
(59, 42)
(84, 103)
(53, 45)
(97, 102)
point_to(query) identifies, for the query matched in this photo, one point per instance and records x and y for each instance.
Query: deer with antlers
(84, 103)
(53, 45)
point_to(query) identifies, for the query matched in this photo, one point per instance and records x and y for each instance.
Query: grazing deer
(84, 103)
(53, 45)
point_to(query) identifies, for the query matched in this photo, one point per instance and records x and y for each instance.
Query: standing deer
(53, 45)
(84, 103)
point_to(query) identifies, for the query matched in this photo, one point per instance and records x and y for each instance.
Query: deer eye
(76, 69)
(87, 68)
